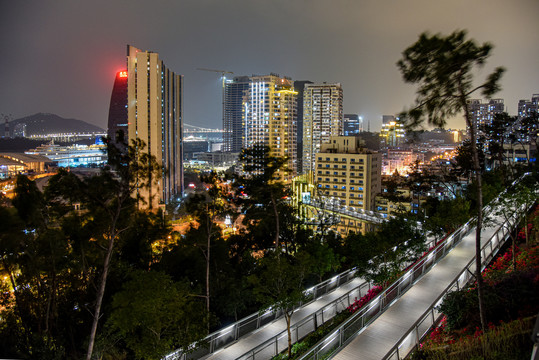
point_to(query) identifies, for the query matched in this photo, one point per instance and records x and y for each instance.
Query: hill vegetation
(45, 123)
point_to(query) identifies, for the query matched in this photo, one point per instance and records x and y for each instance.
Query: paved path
(383, 333)
(259, 336)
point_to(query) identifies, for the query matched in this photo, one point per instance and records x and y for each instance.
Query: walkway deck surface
(382, 334)
(259, 336)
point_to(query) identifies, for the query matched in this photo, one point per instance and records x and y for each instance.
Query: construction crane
(223, 78)
(223, 72)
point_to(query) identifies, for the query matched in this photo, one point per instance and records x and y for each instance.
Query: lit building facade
(233, 123)
(352, 125)
(527, 107)
(270, 119)
(483, 113)
(350, 175)
(392, 133)
(322, 118)
(117, 124)
(154, 113)
(299, 86)
(346, 171)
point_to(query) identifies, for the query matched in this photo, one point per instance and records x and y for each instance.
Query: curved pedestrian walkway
(376, 340)
(269, 331)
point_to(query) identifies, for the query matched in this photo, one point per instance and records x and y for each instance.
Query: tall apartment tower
(299, 86)
(154, 113)
(392, 133)
(483, 113)
(117, 123)
(233, 123)
(270, 106)
(322, 118)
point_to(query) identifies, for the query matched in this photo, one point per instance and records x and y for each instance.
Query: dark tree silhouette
(443, 67)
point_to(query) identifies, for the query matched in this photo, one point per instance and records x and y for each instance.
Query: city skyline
(63, 57)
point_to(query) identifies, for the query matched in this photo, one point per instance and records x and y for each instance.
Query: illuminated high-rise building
(483, 113)
(392, 133)
(352, 125)
(299, 86)
(154, 113)
(322, 118)
(233, 123)
(270, 118)
(117, 124)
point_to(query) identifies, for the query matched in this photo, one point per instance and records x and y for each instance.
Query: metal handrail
(339, 337)
(412, 336)
(231, 333)
(431, 317)
(359, 320)
(250, 323)
(302, 328)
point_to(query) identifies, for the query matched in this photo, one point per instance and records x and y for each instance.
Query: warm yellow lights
(293, 92)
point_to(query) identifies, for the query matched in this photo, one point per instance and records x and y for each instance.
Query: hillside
(43, 123)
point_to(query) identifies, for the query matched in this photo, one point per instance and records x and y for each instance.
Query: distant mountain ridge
(45, 123)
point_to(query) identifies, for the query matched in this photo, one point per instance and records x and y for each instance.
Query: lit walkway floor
(383, 333)
(261, 335)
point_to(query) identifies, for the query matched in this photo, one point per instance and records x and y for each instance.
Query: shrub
(358, 304)
(517, 294)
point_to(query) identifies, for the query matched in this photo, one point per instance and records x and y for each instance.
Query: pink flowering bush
(358, 304)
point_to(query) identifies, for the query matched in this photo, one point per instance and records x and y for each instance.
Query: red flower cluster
(439, 335)
(358, 304)
(525, 259)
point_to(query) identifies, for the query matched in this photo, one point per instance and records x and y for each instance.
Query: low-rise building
(12, 164)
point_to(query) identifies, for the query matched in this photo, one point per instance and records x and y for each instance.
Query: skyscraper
(270, 118)
(322, 118)
(117, 124)
(299, 86)
(154, 113)
(233, 123)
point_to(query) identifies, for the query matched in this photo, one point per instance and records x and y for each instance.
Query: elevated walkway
(401, 321)
(404, 308)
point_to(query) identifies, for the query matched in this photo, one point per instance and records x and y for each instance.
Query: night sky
(61, 56)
